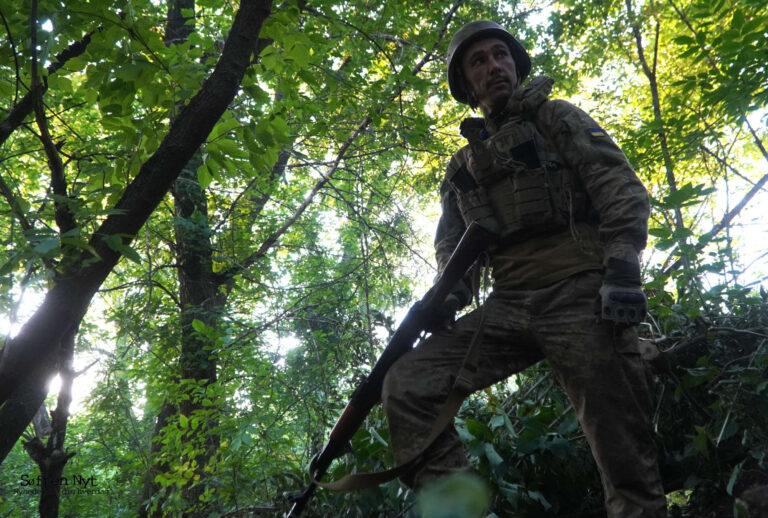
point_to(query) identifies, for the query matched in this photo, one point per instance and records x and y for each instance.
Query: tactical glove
(444, 316)
(621, 297)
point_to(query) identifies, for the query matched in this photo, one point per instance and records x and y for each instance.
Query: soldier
(572, 219)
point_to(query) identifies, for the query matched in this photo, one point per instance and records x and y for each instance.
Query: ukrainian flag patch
(597, 132)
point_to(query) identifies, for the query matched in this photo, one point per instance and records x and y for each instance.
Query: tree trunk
(51, 458)
(198, 296)
(66, 303)
(156, 466)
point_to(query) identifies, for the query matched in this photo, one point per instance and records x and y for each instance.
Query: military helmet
(469, 34)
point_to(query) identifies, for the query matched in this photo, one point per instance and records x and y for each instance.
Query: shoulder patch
(597, 132)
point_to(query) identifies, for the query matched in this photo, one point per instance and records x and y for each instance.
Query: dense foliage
(220, 350)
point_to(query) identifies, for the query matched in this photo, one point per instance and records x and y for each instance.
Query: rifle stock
(475, 240)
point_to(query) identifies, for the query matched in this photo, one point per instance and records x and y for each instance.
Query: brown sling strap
(463, 386)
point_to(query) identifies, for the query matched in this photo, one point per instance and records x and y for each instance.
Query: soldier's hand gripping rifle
(420, 317)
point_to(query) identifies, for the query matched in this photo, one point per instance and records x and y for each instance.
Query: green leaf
(494, 459)
(47, 245)
(131, 254)
(560, 447)
(204, 176)
(684, 40)
(737, 22)
(6, 89)
(538, 497)
(377, 436)
(199, 326)
(701, 440)
(734, 477)
(115, 242)
(230, 147)
(263, 133)
(479, 430)
(80, 243)
(223, 128)
(663, 232)
(23, 205)
(11, 264)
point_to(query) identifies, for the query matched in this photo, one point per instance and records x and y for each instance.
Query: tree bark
(27, 104)
(23, 404)
(198, 295)
(198, 300)
(66, 303)
(155, 466)
(51, 458)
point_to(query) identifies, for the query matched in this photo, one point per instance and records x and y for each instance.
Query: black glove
(444, 316)
(621, 296)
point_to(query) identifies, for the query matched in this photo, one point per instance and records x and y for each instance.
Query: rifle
(475, 240)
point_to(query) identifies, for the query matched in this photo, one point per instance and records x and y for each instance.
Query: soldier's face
(490, 72)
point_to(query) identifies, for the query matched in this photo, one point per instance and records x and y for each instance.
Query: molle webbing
(473, 200)
(518, 179)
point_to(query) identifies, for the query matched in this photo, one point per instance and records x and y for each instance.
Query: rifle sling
(463, 386)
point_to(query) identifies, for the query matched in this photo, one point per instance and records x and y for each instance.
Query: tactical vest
(515, 182)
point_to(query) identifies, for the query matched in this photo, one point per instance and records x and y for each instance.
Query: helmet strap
(471, 97)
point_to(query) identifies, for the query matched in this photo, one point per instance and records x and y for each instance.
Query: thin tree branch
(727, 218)
(26, 106)
(657, 116)
(62, 214)
(395, 39)
(271, 240)
(758, 142)
(367, 36)
(64, 217)
(10, 197)
(725, 164)
(713, 63)
(724, 222)
(15, 53)
(66, 303)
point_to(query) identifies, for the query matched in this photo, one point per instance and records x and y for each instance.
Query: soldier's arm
(450, 228)
(614, 189)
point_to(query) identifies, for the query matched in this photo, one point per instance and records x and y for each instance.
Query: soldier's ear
(471, 97)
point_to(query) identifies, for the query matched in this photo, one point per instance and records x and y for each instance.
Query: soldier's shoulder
(555, 108)
(459, 158)
(558, 115)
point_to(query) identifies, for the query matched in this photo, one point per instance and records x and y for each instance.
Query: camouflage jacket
(582, 149)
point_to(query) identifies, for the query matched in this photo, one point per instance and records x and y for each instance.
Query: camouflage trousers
(600, 370)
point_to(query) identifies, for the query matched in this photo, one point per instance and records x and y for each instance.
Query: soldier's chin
(499, 100)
